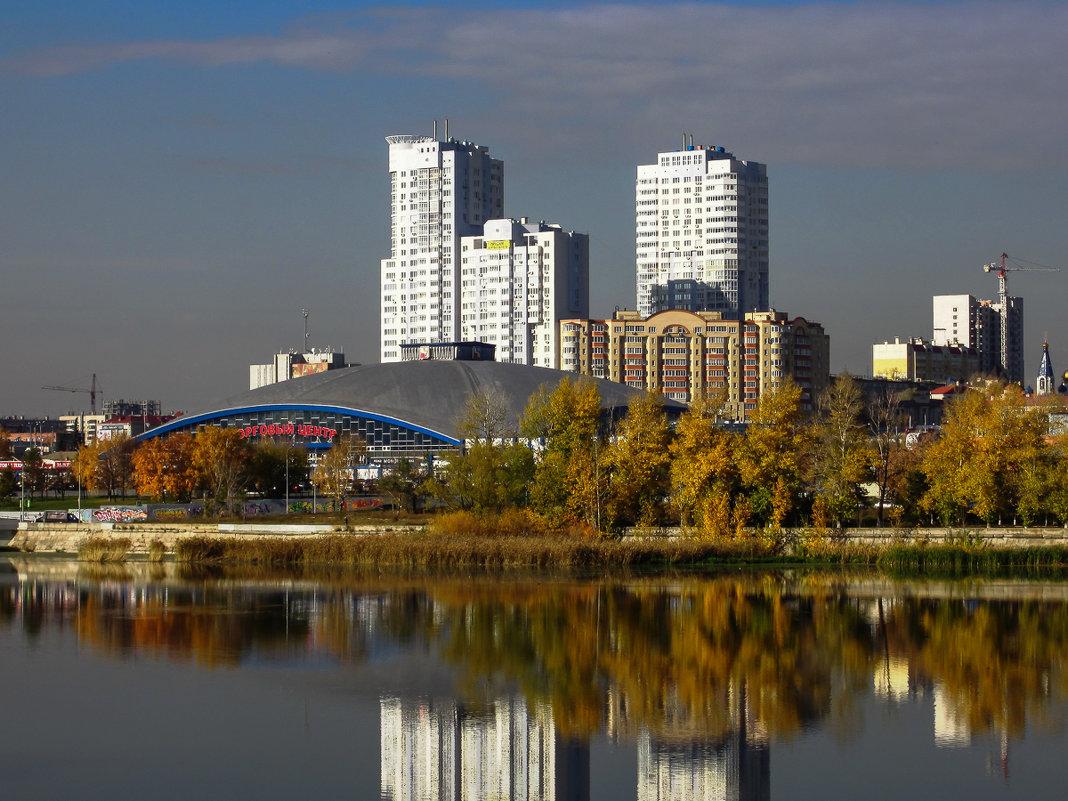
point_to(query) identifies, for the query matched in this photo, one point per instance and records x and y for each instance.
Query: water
(148, 681)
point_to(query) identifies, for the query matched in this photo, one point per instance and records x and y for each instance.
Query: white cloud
(976, 85)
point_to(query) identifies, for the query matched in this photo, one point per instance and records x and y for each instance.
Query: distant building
(701, 232)
(684, 354)
(291, 364)
(921, 360)
(82, 426)
(518, 280)
(122, 408)
(130, 425)
(967, 322)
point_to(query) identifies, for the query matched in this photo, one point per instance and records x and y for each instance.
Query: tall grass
(104, 549)
(970, 558)
(454, 552)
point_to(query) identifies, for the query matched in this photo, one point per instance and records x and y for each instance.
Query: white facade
(439, 191)
(702, 233)
(974, 323)
(290, 364)
(518, 280)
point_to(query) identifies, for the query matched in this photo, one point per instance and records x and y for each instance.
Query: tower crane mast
(1002, 269)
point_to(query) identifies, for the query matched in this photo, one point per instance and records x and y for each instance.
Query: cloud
(962, 85)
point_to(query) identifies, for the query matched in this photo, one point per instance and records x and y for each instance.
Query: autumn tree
(638, 463)
(163, 466)
(771, 455)
(85, 466)
(703, 472)
(337, 467)
(841, 456)
(5, 444)
(564, 423)
(115, 466)
(221, 458)
(978, 464)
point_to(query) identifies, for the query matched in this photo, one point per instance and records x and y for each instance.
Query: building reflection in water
(447, 751)
(736, 767)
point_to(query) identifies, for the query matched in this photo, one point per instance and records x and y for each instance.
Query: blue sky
(179, 181)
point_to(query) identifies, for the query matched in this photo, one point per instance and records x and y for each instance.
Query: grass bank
(519, 540)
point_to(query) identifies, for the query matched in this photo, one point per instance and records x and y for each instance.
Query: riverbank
(421, 548)
(69, 537)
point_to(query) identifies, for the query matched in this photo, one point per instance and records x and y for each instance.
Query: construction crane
(91, 390)
(1017, 265)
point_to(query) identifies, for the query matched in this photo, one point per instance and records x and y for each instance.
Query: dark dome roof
(429, 394)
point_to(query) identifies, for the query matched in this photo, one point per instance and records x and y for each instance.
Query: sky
(178, 181)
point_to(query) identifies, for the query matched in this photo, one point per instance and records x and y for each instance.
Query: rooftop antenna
(446, 129)
(305, 313)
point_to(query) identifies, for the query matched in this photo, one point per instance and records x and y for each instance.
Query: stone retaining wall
(1018, 537)
(68, 537)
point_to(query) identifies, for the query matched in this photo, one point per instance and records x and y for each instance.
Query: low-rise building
(290, 364)
(684, 354)
(920, 360)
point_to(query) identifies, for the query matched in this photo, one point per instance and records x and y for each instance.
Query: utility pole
(305, 313)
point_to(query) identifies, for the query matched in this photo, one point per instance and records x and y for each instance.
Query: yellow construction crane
(92, 390)
(1016, 265)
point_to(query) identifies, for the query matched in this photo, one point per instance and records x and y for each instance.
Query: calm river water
(164, 683)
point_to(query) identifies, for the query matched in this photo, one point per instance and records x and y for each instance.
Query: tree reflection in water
(676, 659)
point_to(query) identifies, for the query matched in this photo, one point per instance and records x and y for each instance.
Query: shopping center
(405, 408)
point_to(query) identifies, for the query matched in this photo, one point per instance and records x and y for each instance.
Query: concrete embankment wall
(68, 537)
(1016, 537)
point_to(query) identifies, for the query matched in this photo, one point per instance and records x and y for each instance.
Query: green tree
(841, 457)
(8, 483)
(403, 484)
(33, 471)
(267, 467)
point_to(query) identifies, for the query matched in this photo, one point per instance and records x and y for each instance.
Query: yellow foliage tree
(703, 473)
(772, 454)
(222, 458)
(164, 466)
(565, 423)
(638, 460)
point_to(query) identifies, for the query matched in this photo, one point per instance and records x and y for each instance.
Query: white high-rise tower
(440, 190)
(702, 233)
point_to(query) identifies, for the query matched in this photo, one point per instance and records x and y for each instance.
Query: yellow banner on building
(497, 244)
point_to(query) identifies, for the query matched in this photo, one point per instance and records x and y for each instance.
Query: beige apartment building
(684, 353)
(920, 360)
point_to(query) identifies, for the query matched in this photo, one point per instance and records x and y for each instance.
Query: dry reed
(104, 549)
